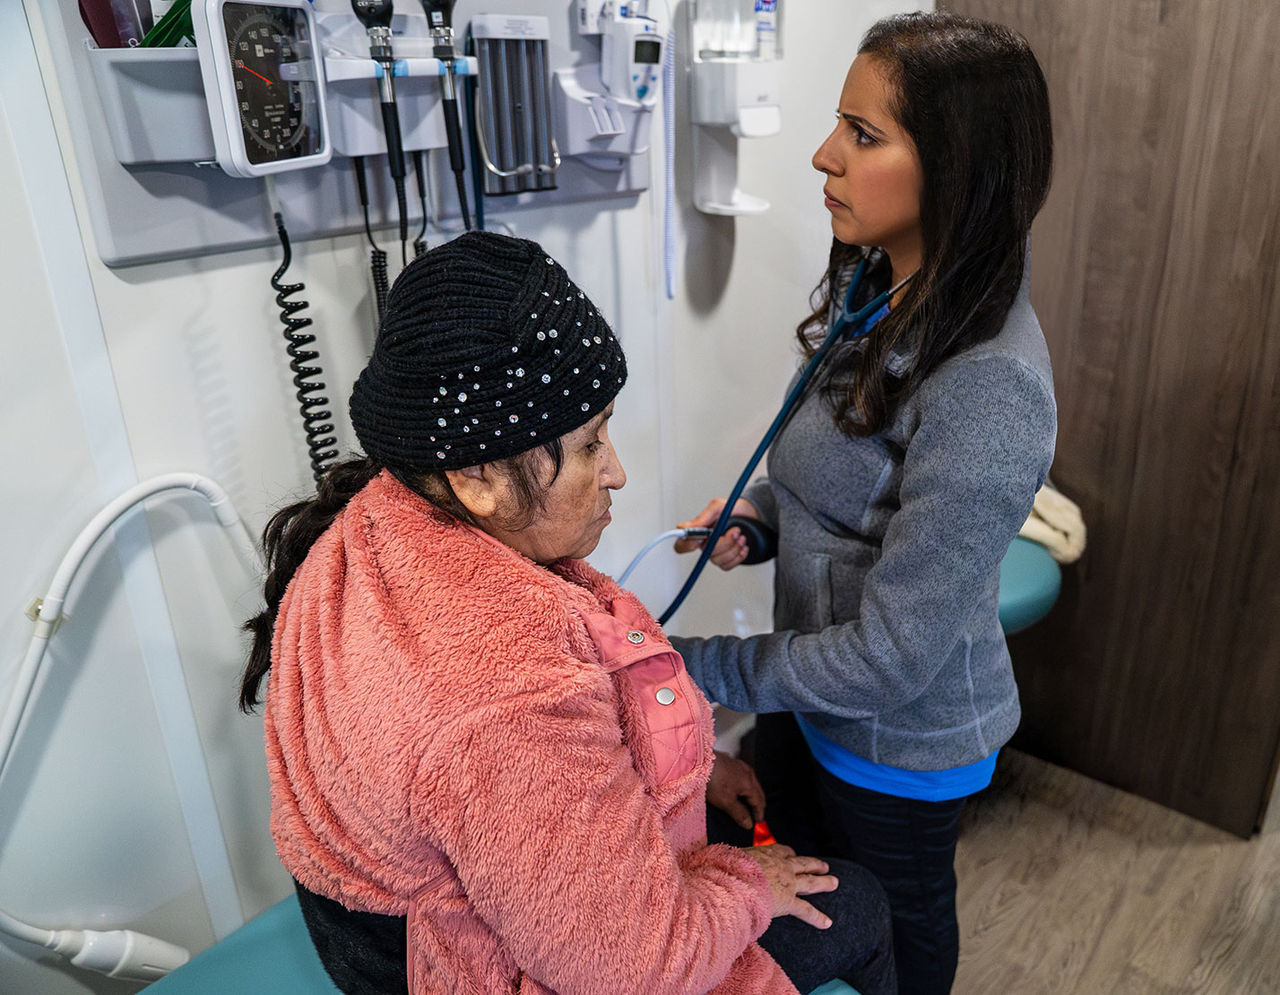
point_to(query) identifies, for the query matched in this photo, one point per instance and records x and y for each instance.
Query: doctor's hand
(790, 877)
(733, 789)
(732, 547)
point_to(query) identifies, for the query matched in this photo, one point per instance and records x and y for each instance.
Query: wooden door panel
(1155, 268)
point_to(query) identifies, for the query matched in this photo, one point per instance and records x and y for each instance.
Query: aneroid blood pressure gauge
(264, 84)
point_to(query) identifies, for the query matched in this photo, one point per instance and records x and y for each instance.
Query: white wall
(117, 375)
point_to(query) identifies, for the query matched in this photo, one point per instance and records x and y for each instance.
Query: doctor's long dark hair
(974, 101)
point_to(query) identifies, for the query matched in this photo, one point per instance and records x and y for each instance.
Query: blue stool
(1030, 580)
(273, 953)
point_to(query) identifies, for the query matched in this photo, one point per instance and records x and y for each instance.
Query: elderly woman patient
(488, 766)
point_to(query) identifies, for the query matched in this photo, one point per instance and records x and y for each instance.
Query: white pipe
(219, 502)
(117, 953)
(126, 953)
(17, 705)
(21, 930)
(51, 604)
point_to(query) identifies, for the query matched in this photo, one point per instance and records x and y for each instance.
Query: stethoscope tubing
(843, 322)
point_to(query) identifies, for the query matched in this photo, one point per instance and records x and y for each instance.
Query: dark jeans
(858, 946)
(908, 845)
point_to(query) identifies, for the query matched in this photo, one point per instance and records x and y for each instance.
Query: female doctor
(903, 474)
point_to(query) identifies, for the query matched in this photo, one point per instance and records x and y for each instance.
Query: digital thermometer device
(631, 57)
(263, 83)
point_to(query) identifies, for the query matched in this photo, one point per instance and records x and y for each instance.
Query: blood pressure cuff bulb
(486, 349)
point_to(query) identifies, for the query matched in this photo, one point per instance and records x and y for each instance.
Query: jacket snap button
(635, 636)
(665, 696)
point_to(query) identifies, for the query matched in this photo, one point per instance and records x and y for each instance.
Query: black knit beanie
(486, 349)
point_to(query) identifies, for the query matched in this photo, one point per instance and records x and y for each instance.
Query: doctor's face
(873, 176)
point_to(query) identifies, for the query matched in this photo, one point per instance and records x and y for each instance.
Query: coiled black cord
(381, 282)
(377, 257)
(315, 414)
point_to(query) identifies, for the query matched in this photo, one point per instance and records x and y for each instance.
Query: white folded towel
(1056, 524)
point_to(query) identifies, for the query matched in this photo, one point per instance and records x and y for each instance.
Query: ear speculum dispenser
(513, 123)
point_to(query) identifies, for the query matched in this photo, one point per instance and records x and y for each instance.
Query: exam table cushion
(1029, 583)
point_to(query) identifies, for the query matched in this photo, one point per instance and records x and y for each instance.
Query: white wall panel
(90, 830)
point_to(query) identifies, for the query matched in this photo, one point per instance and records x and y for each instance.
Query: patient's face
(575, 507)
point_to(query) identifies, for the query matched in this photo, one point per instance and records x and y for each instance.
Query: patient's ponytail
(286, 540)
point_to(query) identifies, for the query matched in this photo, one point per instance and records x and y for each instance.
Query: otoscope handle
(453, 131)
(362, 181)
(395, 147)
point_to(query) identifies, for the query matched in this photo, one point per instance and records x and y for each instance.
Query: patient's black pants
(856, 948)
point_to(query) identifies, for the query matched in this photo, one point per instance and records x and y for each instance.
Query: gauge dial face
(273, 69)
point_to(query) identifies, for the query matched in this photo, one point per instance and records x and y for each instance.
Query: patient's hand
(731, 549)
(790, 877)
(733, 788)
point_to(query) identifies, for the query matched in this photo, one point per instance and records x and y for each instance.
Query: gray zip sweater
(886, 635)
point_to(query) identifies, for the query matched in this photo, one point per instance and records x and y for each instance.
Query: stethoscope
(849, 324)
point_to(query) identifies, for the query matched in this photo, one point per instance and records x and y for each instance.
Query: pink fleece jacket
(511, 756)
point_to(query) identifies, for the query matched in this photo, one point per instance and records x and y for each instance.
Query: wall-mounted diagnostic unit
(288, 90)
(514, 128)
(631, 57)
(605, 108)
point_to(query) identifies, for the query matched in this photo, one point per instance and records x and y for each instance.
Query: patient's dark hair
(293, 530)
(973, 99)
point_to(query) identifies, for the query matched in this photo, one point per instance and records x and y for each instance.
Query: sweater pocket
(882, 500)
(802, 592)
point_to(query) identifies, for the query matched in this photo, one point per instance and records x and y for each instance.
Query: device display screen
(273, 68)
(648, 50)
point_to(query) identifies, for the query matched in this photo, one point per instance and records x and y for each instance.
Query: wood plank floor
(1069, 886)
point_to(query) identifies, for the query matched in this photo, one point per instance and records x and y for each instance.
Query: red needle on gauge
(259, 75)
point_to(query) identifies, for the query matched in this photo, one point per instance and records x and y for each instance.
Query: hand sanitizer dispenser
(735, 92)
